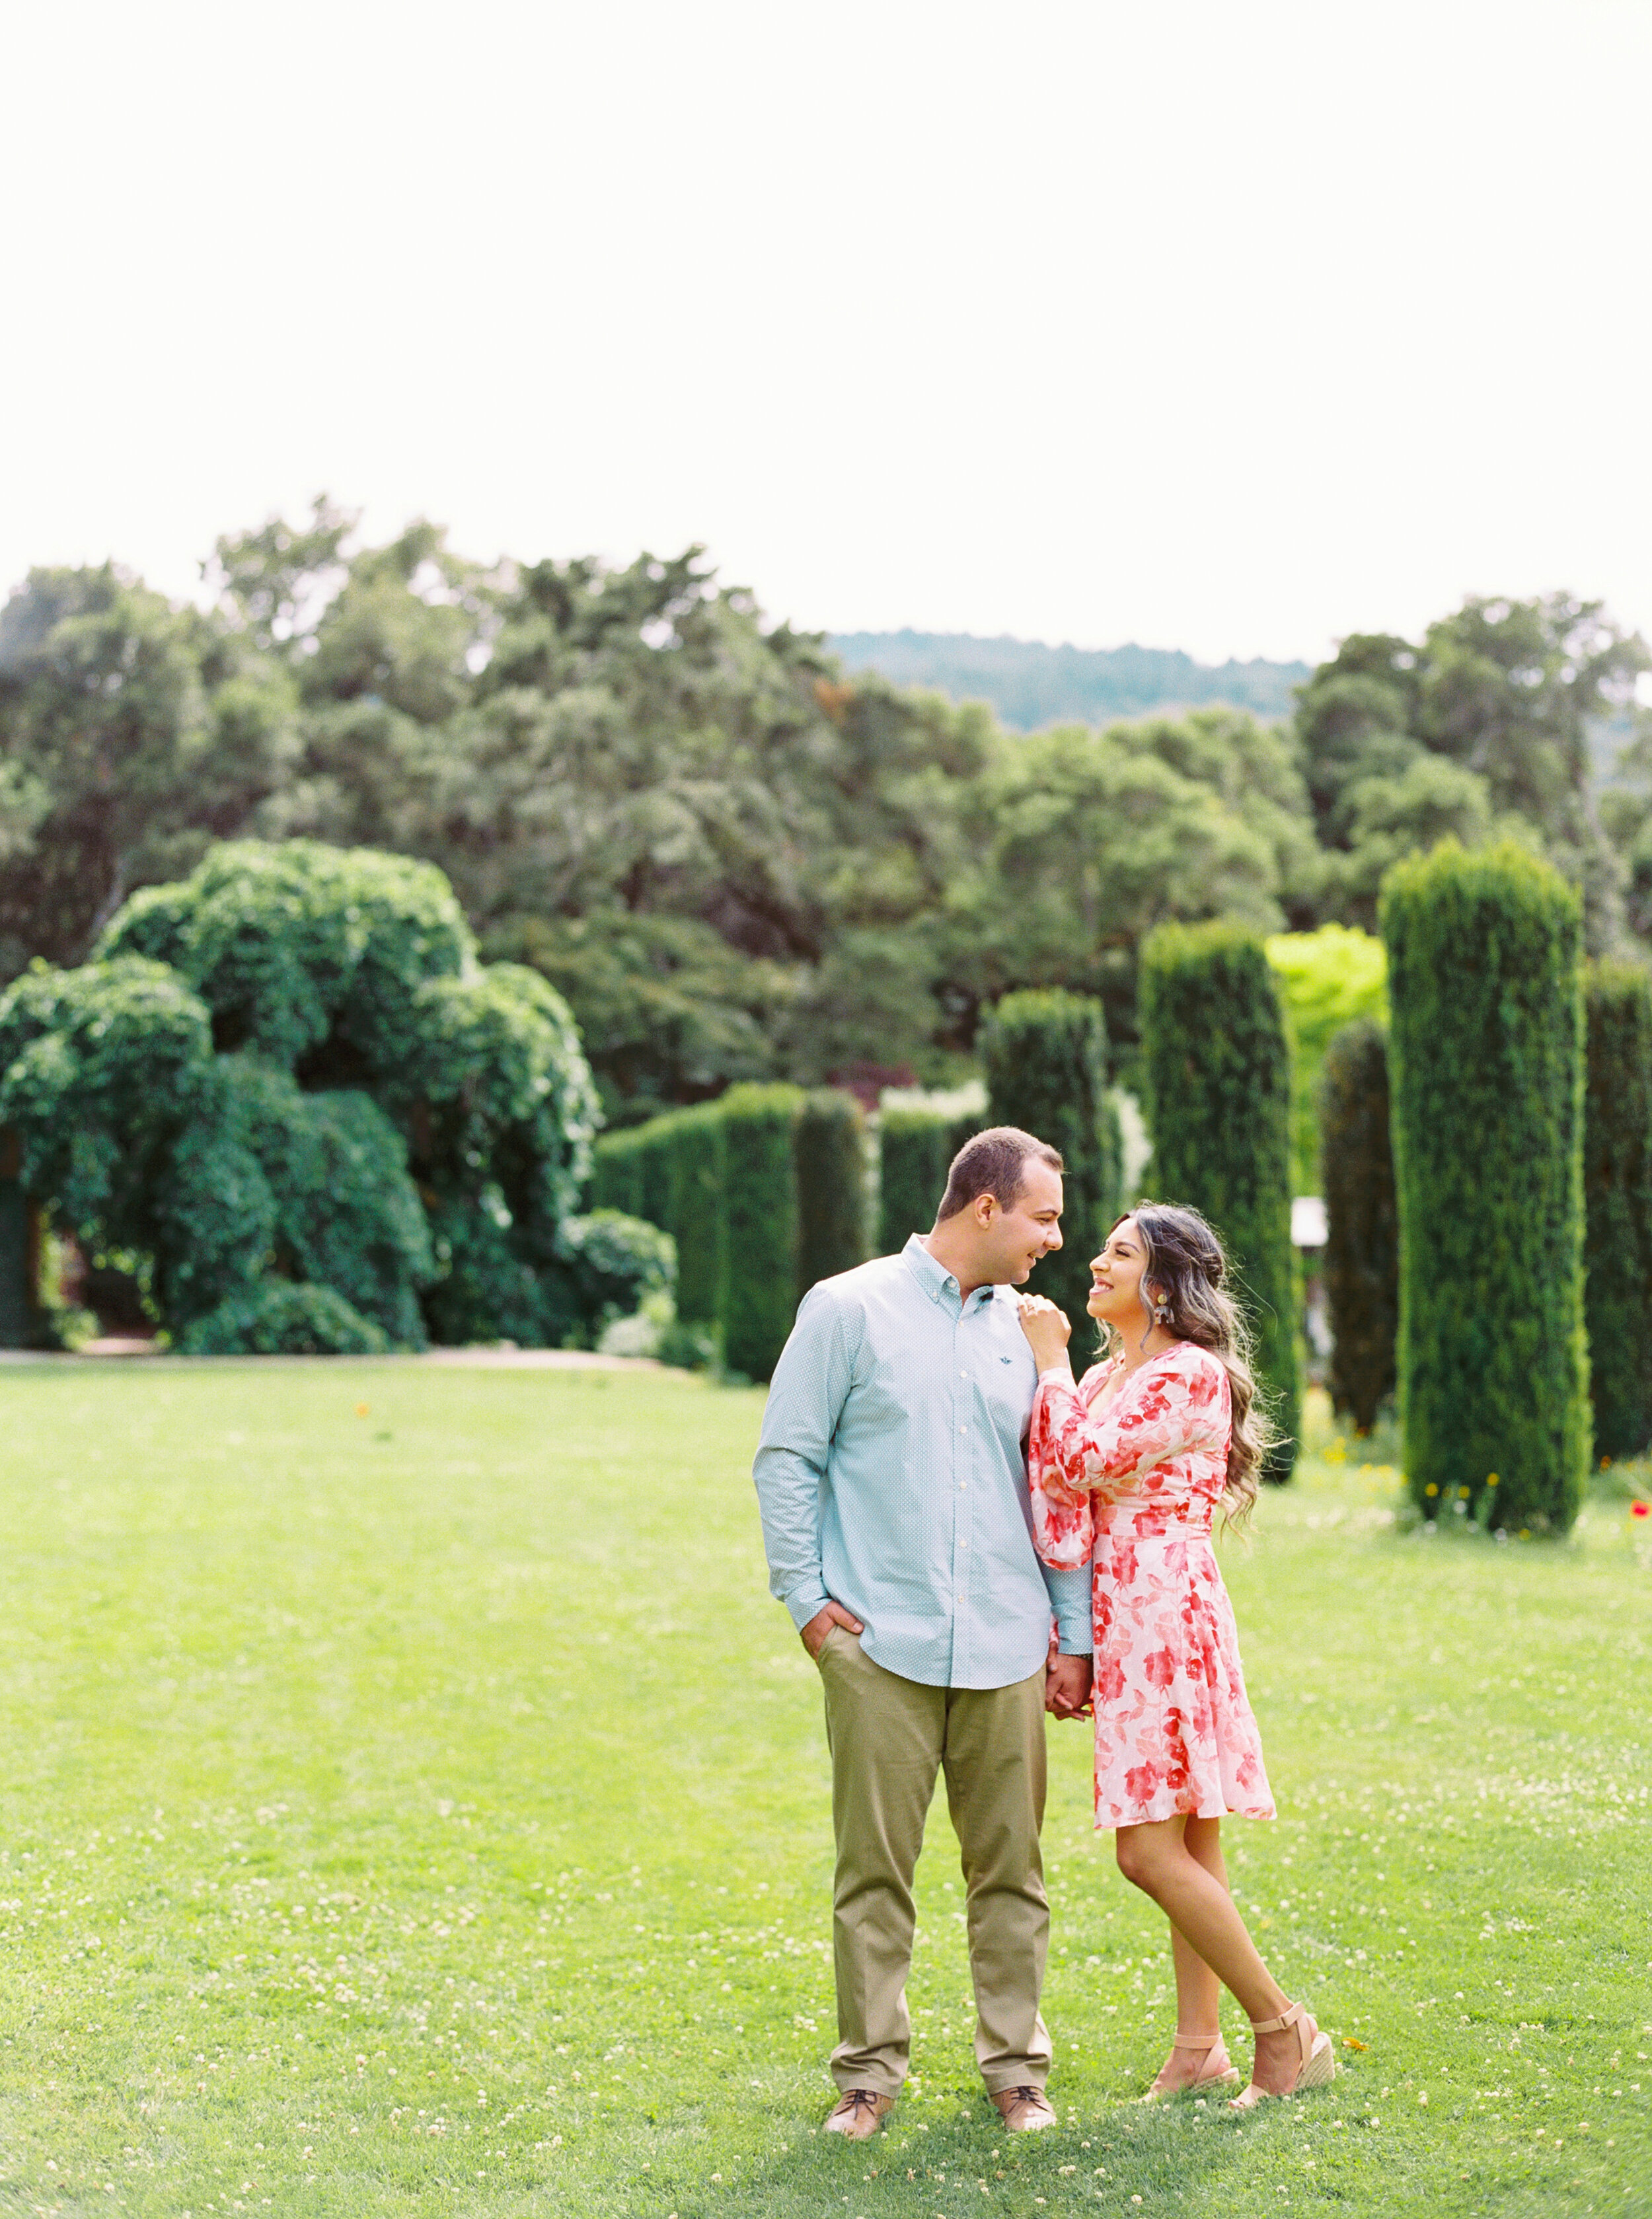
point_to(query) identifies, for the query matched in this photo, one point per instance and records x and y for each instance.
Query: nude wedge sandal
(1316, 2066)
(1224, 2076)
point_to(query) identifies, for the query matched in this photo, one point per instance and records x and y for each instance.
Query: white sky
(1220, 326)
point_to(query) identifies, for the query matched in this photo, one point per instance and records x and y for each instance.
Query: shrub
(831, 1161)
(759, 1297)
(1217, 1067)
(1045, 1056)
(694, 1211)
(915, 1147)
(615, 1263)
(318, 1180)
(1362, 1248)
(1617, 1205)
(280, 1319)
(1485, 1060)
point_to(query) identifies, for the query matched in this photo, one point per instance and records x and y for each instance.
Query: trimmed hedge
(1217, 1066)
(830, 1151)
(1046, 1057)
(1361, 1247)
(694, 1211)
(682, 1172)
(1486, 1059)
(914, 1151)
(759, 1285)
(1617, 1205)
(616, 1171)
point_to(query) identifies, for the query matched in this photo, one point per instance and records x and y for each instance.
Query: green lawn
(420, 1807)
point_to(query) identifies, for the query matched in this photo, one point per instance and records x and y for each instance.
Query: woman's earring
(1161, 1310)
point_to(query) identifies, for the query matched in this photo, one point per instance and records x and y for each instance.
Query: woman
(1128, 1467)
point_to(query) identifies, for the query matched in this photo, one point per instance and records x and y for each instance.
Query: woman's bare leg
(1198, 1991)
(1158, 1860)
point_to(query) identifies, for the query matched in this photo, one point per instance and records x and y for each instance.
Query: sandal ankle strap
(1277, 2025)
(1196, 2041)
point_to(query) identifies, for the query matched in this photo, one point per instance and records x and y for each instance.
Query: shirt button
(962, 1485)
(963, 1375)
(963, 1429)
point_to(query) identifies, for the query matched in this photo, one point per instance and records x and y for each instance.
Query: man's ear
(986, 1207)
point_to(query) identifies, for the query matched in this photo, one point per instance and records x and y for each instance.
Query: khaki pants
(887, 1736)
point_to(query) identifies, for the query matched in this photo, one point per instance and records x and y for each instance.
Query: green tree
(290, 1068)
(831, 1168)
(759, 1297)
(1325, 978)
(1618, 1203)
(1218, 1072)
(131, 735)
(1486, 1057)
(1505, 692)
(1362, 1248)
(1046, 1057)
(915, 1146)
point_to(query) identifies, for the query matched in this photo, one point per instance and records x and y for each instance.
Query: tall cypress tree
(695, 1218)
(1362, 1248)
(831, 1159)
(1617, 1205)
(1046, 1057)
(1485, 1060)
(1217, 1065)
(759, 1249)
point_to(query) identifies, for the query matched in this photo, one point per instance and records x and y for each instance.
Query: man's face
(1013, 1239)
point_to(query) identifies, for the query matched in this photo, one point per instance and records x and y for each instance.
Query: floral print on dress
(1133, 1488)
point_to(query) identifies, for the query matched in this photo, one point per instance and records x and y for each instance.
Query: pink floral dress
(1133, 1487)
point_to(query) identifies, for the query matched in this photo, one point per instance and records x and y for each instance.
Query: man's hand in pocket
(813, 1635)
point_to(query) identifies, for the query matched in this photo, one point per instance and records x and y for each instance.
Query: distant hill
(1031, 685)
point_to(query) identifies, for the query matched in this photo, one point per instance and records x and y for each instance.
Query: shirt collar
(937, 1281)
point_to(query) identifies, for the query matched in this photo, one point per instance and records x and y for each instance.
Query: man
(892, 1482)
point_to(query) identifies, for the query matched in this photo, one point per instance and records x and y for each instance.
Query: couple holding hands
(936, 1488)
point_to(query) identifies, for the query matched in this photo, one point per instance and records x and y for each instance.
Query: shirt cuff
(1070, 1593)
(805, 1602)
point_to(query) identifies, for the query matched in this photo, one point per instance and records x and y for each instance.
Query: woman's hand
(1046, 1329)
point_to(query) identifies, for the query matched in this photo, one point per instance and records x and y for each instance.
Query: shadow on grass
(939, 2166)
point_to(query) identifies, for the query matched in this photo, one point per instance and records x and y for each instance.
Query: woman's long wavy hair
(1187, 1264)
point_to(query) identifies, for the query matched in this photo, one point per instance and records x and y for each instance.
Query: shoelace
(1025, 2096)
(855, 2097)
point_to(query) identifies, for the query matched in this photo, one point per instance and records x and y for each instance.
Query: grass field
(412, 1803)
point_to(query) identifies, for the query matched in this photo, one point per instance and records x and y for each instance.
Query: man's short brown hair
(995, 1163)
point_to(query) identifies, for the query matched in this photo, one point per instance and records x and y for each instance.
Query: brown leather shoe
(1025, 2111)
(858, 2114)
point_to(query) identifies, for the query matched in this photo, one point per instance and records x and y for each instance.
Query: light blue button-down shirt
(892, 1477)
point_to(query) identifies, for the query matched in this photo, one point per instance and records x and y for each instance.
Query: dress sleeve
(1063, 1519)
(1073, 1455)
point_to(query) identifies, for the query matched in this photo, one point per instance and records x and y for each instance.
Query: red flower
(1110, 1681)
(1640, 1509)
(1160, 1668)
(1140, 1782)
